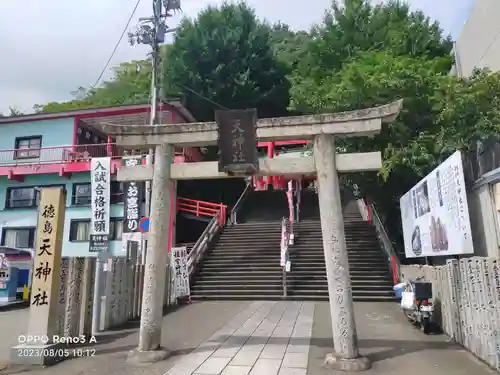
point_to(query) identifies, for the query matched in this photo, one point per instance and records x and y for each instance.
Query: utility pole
(152, 31)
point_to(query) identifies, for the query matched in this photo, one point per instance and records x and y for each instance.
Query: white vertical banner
(181, 272)
(100, 184)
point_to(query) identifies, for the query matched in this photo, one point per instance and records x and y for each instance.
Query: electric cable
(117, 44)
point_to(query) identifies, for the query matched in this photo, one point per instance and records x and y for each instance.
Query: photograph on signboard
(435, 214)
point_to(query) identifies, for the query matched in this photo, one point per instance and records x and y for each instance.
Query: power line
(203, 97)
(117, 44)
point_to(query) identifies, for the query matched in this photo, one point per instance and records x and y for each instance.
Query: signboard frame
(100, 174)
(133, 196)
(237, 141)
(180, 270)
(435, 213)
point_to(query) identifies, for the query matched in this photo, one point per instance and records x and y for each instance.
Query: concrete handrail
(386, 243)
(234, 212)
(201, 245)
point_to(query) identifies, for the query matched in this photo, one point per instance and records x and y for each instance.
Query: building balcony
(64, 160)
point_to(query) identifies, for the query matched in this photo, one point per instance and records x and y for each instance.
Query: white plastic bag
(399, 286)
(407, 300)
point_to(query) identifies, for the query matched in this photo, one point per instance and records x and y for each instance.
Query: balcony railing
(64, 160)
(65, 154)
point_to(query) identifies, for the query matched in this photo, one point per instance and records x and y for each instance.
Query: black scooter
(421, 312)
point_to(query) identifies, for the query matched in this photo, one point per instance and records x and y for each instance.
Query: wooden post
(44, 305)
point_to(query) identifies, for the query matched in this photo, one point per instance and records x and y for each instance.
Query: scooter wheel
(426, 326)
(408, 316)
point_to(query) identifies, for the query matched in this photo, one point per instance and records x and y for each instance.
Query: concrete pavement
(13, 322)
(285, 338)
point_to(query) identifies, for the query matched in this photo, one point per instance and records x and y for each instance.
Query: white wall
(479, 43)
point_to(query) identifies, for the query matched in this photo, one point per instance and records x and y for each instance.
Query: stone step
(277, 285)
(275, 297)
(291, 279)
(360, 292)
(296, 264)
(386, 286)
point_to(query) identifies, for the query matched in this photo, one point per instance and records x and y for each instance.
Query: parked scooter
(416, 302)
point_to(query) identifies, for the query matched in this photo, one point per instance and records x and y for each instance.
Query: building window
(80, 230)
(28, 147)
(22, 197)
(116, 229)
(19, 237)
(116, 192)
(82, 194)
(26, 196)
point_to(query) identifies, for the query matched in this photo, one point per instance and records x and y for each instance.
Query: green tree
(357, 26)
(290, 46)
(130, 84)
(364, 55)
(226, 55)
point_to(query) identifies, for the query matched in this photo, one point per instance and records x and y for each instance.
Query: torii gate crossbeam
(322, 129)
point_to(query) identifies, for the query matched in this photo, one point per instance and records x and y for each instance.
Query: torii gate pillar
(155, 269)
(345, 340)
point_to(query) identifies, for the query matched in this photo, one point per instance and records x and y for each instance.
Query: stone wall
(120, 300)
(466, 295)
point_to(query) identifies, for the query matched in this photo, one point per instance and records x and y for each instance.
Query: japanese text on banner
(101, 186)
(48, 246)
(181, 271)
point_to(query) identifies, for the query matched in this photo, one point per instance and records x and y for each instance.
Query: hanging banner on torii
(237, 141)
(133, 196)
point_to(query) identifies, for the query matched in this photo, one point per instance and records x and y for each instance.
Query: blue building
(44, 150)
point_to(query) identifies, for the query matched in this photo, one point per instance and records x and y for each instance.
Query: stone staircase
(368, 267)
(244, 263)
(371, 279)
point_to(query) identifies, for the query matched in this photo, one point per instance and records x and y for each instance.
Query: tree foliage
(226, 56)
(130, 84)
(291, 47)
(365, 55)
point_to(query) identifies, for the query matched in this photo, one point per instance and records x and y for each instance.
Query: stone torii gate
(325, 163)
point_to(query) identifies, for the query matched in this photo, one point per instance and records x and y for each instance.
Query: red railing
(65, 154)
(201, 208)
(69, 159)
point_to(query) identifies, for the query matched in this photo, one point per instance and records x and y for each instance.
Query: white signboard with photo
(100, 183)
(435, 214)
(180, 269)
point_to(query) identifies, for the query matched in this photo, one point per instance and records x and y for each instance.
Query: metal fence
(467, 298)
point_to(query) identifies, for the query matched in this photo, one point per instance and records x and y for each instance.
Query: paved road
(271, 338)
(13, 322)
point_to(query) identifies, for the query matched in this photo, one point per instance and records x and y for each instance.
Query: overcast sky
(51, 47)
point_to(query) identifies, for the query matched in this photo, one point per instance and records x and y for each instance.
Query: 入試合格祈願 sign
(435, 214)
(100, 174)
